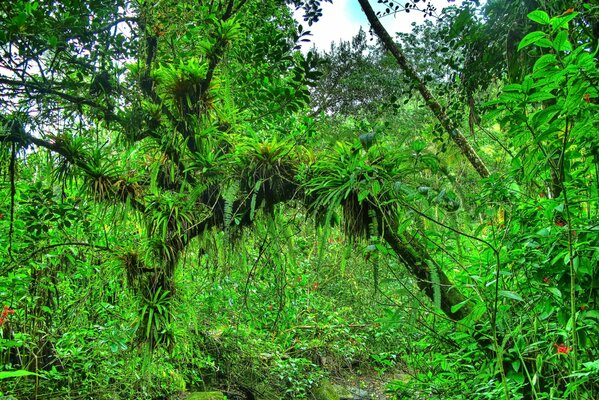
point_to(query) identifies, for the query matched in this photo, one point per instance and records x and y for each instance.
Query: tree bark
(419, 263)
(454, 133)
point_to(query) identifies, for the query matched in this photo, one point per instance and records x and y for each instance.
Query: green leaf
(545, 232)
(518, 377)
(562, 21)
(592, 314)
(363, 195)
(555, 292)
(541, 117)
(375, 188)
(545, 61)
(516, 365)
(478, 310)
(544, 42)
(539, 16)
(459, 306)
(531, 38)
(418, 146)
(149, 325)
(510, 295)
(561, 42)
(15, 374)
(514, 87)
(540, 96)
(511, 97)
(527, 84)
(19, 20)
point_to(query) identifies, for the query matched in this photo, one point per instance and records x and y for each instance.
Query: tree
(99, 89)
(356, 79)
(449, 126)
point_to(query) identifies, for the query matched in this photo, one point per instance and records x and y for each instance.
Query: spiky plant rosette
(182, 84)
(106, 180)
(354, 179)
(268, 170)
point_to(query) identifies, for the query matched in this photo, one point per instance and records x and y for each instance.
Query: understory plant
(535, 325)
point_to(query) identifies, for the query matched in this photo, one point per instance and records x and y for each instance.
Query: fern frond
(230, 195)
(436, 283)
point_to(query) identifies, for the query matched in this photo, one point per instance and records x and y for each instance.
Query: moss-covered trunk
(419, 264)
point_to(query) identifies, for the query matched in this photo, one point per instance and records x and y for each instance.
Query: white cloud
(335, 24)
(342, 20)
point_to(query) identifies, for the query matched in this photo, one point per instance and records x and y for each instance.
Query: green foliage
(217, 213)
(183, 84)
(542, 280)
(358, 79)
(154, 318)
(288, 371)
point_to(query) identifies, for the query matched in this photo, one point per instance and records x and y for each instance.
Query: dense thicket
(190, 202)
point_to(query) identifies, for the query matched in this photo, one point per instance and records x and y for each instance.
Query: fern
(254, 197)
(436, 283)
(229, 195)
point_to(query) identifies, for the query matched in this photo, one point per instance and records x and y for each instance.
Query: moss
(342, 392)
(326, 391)
(206, 396)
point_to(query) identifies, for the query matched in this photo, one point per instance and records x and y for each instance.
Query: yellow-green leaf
(531, 38)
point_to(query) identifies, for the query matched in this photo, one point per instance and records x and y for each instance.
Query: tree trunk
(454, 133)
(419, 263)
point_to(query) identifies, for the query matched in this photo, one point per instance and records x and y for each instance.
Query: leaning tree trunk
(417, 260)
(420, 264)
(454, 133)
(415, 256)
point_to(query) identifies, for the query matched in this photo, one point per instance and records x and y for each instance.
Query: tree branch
(18, 135)
(39, 88)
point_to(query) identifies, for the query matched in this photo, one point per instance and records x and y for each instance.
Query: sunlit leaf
(15, 374)
(531, 38)
(510, 295)
(539, 16)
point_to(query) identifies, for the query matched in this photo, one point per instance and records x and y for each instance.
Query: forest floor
(369, 384)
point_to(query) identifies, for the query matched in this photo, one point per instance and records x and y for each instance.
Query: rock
(328, 391)
(205, 396)
(325, 391)
(343, 393)
(359, 394)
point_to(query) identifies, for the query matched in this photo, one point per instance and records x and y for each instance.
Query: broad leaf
(561, 42)
(531, 38)
(545, 61)
(562, 21)
(539, 16)
(510, 295)
(15, 374)
(540, 96)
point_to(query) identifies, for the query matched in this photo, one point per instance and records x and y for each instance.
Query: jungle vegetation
(192, 202)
